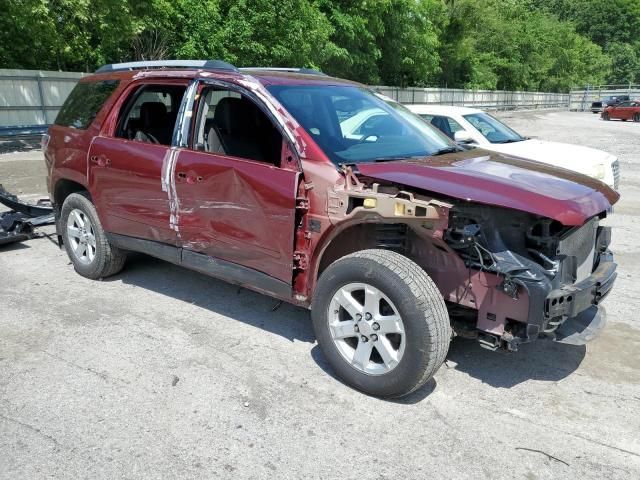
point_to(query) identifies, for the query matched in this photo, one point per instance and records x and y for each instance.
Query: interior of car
(150, 114)
(232, 124)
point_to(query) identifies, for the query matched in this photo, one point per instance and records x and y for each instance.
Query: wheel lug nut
(367, 316)
(374, 337)
(364, 339)
(375, 326)
(356, 328)
(358, 317)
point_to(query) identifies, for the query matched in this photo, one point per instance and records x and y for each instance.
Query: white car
(475, 127)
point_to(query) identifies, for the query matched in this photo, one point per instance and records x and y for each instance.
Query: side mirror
(462, 136)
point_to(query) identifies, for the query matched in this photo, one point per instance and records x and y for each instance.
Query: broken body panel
(18, 224)
(470, 219)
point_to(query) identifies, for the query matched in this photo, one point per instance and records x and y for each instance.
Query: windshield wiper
(511, 140)
(444, 150)
(399, 157)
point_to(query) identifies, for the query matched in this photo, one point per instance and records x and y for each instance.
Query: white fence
(485, 99)
(581, 98)
(34, 97)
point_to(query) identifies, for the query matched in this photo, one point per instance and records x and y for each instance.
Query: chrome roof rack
(207, 64)
(306, 71)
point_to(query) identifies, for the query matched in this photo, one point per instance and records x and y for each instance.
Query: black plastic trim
(214, 267)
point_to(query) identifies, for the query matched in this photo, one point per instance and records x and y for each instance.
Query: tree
(283, 33)
(357, 27)
(625, 58)
(409, 46)
(505, 44)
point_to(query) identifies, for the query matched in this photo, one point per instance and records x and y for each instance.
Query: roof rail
(306, 71)
(208, 64)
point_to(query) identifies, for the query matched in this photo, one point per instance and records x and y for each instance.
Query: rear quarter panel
(66, 155)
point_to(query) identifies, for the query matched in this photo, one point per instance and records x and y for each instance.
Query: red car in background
(623, 111)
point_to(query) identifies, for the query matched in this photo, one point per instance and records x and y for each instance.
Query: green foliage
(505, 44)
(282, 33)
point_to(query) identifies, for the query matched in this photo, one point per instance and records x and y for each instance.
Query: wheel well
(387, 236)
(63, 189)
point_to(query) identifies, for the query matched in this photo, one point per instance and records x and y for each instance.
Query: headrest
(235, 115)
(153, 114)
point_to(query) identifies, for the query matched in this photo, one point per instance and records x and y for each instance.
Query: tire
(636, 117)
(605, 116)
(403, 287)
(99, 259)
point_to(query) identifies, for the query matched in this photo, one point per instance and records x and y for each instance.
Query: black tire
(419, 303)
(108, 260)
(605, 116)
(636, 117)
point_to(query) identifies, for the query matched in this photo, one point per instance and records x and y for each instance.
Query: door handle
(101, 160)
(189, 178)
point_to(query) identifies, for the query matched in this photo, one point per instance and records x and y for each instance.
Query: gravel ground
(164, 373)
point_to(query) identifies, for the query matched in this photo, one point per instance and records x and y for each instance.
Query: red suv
(320, 192)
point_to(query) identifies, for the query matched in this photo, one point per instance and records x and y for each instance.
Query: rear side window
(84, 103)
(150, 114)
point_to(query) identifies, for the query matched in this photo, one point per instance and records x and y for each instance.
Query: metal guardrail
(483, 99)
(581, 98)
(32, 98)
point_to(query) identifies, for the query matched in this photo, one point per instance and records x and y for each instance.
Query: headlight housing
(599, 171)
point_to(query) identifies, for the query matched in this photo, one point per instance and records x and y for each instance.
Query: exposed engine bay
(507, 276)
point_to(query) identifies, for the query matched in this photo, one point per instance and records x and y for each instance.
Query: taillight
(45, 140)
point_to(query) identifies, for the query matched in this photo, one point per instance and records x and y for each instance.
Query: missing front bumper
(571, 300)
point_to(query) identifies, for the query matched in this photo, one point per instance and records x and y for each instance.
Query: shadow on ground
(261, 311)
(542, 360)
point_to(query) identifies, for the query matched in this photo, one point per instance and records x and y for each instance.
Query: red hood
(496, 179)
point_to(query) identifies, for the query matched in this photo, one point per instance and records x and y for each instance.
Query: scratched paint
(168, 180)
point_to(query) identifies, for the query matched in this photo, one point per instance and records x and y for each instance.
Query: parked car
(393, 239)
(623, 111)
(476, 127)
(599, 105)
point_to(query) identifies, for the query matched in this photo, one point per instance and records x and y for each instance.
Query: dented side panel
(237, 210)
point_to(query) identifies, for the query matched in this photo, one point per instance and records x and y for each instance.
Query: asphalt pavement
(160, 372)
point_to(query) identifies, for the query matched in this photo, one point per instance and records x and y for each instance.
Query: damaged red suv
(319, 192)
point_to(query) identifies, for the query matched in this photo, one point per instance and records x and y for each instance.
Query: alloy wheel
(366, 328)
(81, 236)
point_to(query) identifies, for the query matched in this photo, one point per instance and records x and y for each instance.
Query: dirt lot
(164, 373)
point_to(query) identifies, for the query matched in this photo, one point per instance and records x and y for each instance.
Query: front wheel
(605, 116)
(381, 322)
(636, 117)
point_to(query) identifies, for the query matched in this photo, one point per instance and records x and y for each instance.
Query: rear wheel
(636, 117)
(381, 322)
(85, 241)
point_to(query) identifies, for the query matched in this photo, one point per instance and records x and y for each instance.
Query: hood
(573, 157)
(495, 179)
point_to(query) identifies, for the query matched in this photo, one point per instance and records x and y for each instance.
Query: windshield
(492, 129)
(352, 125)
